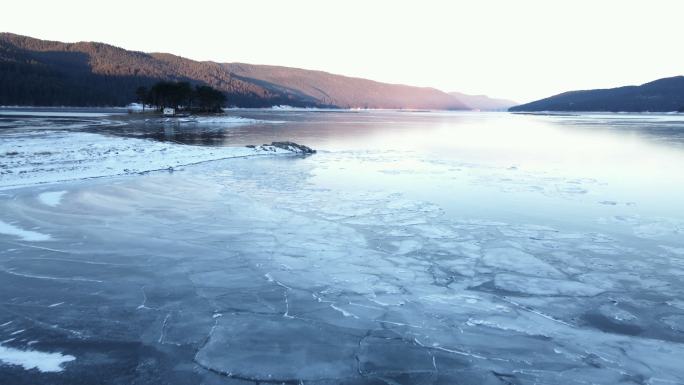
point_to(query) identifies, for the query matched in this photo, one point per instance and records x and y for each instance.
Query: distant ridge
(51, 73)
(662, 95)
(483, 102)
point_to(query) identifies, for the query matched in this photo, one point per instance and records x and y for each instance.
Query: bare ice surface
(413, 248)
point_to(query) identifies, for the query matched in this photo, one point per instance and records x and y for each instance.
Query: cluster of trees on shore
(182, 95)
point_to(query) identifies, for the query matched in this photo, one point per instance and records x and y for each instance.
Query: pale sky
(517, 49)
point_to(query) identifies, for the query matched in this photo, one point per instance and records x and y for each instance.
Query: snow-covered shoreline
(39, 157)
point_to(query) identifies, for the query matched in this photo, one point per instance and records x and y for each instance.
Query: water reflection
(625, 158)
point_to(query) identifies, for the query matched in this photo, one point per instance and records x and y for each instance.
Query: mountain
(662, 95)
(343, 91)
(51, 73)
(483, 102)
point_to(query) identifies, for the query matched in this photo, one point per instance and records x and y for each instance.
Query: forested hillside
(50, 73)
(662, 95)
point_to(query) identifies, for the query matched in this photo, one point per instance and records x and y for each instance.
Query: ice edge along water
(55, 156)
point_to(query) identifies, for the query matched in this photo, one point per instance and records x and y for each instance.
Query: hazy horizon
(513, 51)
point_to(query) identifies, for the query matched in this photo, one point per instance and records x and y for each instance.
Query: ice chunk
(406, 246)
(276, 348)
(290, 146)
(615, 313)
(387, 355)
(519, 261)
(543, 286)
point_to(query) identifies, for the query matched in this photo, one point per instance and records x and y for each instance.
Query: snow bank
(135, 107)
(52, 156)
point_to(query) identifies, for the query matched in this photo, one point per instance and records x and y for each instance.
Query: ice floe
(543, 286)
(515, 260)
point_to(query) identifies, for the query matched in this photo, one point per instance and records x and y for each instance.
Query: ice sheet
(357, 265)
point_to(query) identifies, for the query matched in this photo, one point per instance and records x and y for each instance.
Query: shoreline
(125, 110)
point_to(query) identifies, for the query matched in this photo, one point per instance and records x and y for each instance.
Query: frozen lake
(413, 248)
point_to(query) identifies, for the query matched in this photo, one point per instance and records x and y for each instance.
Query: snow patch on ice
(26, 235)
(344, 312)
(51, 198)
(33, 359)
(135, 107)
